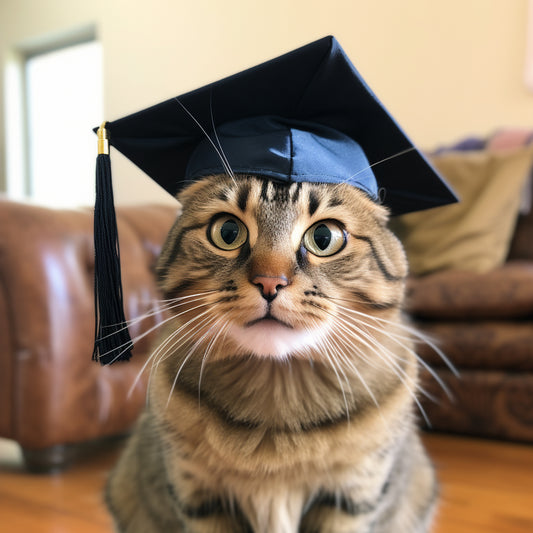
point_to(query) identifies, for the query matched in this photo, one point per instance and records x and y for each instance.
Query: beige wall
(444, 69)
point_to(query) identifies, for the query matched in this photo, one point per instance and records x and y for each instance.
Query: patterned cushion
(504, 293)
(474, 234)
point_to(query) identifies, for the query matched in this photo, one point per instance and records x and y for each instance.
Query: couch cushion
(475, 233)
(485, 404)
(56, 394)
(506, 292)
(482, 346)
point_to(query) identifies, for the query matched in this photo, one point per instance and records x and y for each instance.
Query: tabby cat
(282, 393)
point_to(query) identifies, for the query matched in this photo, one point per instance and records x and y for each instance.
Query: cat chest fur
(275, 474)
(282, 388)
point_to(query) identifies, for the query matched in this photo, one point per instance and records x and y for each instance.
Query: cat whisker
(209, 349)
(371, 342)
(368, 341)
(381, 161)
(163, 302)
(184, 362)
(162, 309)
(227, 165)
(202, 129)
(154, 310)
(164, 343)
(379, 351)
(408, 349)
(331, 360)
(389, 357)
(173, 386)
(190, 331)
(413, 332)
(350, 364)
(341, 354)
(129, 344)
(169, 346)
(187, 296)
(151, 359)
(169, 318)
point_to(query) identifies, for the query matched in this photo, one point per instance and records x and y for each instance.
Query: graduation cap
(305, 116)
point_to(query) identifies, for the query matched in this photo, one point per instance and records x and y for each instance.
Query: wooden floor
(486, 487)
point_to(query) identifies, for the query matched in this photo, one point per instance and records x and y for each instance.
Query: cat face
(277, 270)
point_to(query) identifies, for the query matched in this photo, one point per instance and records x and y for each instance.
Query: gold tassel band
(103, 140)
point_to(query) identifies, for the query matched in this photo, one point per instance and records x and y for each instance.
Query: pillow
(475, 233)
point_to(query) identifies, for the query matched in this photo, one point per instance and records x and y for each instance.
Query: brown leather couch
(51, 394)
(484, 324)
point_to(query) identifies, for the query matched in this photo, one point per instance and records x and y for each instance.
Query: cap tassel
(112, 339)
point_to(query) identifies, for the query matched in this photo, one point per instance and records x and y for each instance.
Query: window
(63, 91)
(529, 49)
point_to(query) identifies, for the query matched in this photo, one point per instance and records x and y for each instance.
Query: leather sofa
(484, 325)
(52, 395)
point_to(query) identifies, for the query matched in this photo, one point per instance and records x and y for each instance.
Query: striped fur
(300, 423)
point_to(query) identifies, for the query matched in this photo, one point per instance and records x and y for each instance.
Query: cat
(282, 392)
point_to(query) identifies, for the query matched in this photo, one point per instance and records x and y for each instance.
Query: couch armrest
(58, 395)
(6, 366)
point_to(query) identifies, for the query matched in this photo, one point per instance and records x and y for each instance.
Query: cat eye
(227, 232)
(325, 238)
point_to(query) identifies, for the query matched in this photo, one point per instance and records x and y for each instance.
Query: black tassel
(112, 339)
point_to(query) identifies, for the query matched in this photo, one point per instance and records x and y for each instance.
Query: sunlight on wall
(445, 70)
(529, 48)
(64, 103)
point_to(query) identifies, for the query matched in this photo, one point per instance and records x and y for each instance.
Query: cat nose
(270, 285)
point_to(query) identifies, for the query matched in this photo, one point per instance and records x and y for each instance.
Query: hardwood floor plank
(60, 503)
(486, 487)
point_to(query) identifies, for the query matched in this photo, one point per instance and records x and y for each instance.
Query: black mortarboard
(304, 116)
